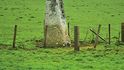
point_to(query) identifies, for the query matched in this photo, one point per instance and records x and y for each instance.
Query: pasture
(29, 16)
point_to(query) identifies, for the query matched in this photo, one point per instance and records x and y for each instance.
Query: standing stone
(57, 34)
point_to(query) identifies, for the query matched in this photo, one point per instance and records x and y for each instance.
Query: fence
(87, 35)
(25, 34)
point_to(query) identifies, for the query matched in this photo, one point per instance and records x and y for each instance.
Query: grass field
(62, 59)
(29, 16)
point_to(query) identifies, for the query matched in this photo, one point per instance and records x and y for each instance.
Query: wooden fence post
(122, 32)
(109, 29)
(119, 35)
(68, 29)
(44, 27)
(14, 36)
(97, 36)
(76, 38)
(45, 34)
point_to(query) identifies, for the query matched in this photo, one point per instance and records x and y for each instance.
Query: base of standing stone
(57, 36)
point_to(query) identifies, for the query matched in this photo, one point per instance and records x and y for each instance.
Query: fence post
(68, 28)
(109, 29)
(44, 27)
(76, 38)
(14, 36)
(97, 36)
(45, 34)
(119, 34)
(122, 32)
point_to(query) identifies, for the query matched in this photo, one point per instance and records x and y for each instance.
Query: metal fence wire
(6, 33)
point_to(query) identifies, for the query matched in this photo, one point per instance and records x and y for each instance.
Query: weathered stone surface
(57, 34)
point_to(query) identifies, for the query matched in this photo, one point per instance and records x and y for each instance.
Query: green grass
(88, 14)
(29, 16)
(62, 59)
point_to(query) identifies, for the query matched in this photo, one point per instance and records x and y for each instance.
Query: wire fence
(32, 34)
(25, 35)
(87, 35)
